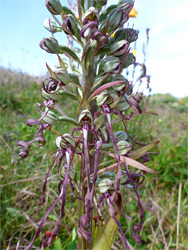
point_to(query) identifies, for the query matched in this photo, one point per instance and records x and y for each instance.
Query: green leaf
(69, 120)
(61, 63)
(50, 70)
(56, 245)
(142, 151)
(68, 51)
(75, 79)
(106, 235)
(68, 94)
(71, 242)
(96, 230)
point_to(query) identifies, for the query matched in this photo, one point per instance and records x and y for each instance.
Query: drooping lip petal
(118, 175)
(62, 197)
(138, 226)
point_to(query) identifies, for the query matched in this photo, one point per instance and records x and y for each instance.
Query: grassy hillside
(21, 179)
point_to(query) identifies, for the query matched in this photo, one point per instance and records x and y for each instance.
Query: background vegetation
(21, 179)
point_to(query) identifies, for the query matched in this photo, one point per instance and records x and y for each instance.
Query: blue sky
(22, 29)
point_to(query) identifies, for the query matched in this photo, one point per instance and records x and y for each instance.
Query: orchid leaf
(61, 63)
(105, 236)
(131, 162)
(75, 79)
(50, 70)
(142, 151)
(68, 51)
(96, 230)
(68, 119)
(66, 93)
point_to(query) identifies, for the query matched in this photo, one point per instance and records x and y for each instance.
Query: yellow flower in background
(133, 13)
(134, 52)
(112, 35)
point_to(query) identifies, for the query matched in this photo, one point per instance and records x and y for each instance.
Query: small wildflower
(134, 52)
(133, 13)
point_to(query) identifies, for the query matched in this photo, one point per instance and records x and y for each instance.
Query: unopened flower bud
(85, 116)
(126, 5)
(130, 59)
(115, 19)
(128, 34)
(113, 65)
(105, 185)
(121, 136)
(88, 28)
(52, 86)
(70, 26)
(121, 86)
(123, 179)
(58, 141)
(64, 141)
(63, 76)
(119, 48)
(122, 105)
(66, 25)
(104, 97)
(132, 35)
(51, 26)
(54, 6)
(50, 45)
(90, 15)
(102, 133)
(50, 91)
(123, 147)
(101, 39)
(51, 118)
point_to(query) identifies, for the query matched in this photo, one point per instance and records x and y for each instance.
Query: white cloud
(170, 17)
(169, 76)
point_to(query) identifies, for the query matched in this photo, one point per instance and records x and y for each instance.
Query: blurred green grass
(19, 219)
